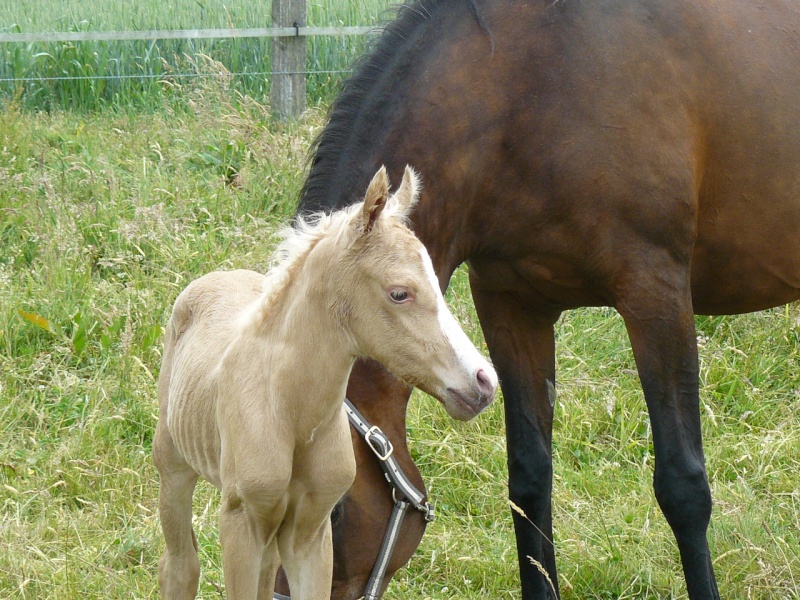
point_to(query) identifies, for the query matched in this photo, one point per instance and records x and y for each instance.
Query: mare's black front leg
(659, 317)
(522, 348)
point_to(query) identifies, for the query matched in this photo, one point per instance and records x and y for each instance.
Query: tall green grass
(104, 217)
(92, 75)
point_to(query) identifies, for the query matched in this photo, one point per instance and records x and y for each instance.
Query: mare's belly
(746, 272)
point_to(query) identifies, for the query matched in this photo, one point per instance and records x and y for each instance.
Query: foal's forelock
(341, 229)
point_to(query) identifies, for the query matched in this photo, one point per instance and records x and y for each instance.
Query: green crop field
(91, 75)
(104, 217)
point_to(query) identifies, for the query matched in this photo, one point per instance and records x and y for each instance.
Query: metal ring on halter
(375, 432)
(430, 513)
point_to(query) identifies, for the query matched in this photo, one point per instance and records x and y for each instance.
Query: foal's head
(387, 297)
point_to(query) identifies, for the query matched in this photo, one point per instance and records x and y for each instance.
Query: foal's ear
(408, 193)
(375, 199)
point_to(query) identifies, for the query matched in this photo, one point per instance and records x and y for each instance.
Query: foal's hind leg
(179, 567)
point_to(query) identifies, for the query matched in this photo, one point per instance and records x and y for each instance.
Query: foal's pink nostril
(484, 383)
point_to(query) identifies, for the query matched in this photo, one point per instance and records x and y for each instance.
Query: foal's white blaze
(470, 360)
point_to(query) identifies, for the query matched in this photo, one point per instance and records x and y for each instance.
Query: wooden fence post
(288, 91)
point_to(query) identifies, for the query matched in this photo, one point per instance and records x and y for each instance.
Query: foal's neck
(309, 354)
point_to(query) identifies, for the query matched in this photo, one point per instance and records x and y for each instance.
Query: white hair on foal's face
(470, 359)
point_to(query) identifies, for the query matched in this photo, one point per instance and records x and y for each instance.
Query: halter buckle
(375, 432)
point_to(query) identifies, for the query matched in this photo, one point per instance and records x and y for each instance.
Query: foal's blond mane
(343, 226)
(297, 243)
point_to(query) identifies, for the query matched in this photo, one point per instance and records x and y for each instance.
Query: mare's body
(637, 154)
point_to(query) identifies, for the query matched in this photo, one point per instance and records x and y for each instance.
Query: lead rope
(383, 449)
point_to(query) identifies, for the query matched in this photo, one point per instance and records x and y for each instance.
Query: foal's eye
(335, 514)
(399, 295)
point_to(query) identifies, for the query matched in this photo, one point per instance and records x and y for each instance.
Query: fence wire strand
(167, 76)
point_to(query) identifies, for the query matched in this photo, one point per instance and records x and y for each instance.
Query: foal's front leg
(241, 549)
(254, 486)
(249, 552)
(308, 561)
(270, 561)
(306, 548)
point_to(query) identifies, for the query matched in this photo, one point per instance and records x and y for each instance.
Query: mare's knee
(683, 494)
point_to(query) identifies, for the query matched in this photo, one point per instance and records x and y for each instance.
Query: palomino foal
(254, 374)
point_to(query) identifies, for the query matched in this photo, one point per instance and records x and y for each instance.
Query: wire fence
(181, 34)
(89, 69)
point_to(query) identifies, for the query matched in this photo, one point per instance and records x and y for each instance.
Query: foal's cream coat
(253, 377)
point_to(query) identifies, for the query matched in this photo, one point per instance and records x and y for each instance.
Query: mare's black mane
(361, 97)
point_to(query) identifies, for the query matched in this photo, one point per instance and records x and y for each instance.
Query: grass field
(167, 66)
(105, 217)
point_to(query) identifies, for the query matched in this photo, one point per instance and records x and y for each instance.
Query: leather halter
(408, 497)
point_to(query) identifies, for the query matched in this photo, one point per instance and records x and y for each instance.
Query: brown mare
(254, 375)
(643, 155)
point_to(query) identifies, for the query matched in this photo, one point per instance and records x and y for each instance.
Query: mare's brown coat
(640, 154)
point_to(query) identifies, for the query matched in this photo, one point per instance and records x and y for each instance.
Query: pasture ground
(105, 217)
